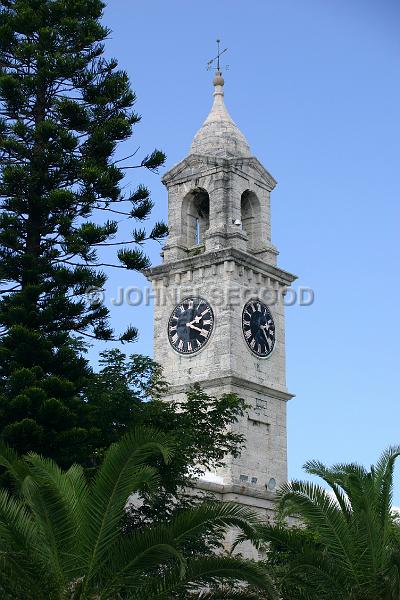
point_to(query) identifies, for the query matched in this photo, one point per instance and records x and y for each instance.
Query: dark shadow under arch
(250, 210)
(195, 216)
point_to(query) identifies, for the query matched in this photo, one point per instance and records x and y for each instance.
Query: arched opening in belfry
(250, 211)
(195, 216)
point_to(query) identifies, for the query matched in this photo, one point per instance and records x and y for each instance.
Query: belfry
(219, 314)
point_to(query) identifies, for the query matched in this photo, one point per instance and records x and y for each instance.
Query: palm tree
(61, 536)
(348, 545)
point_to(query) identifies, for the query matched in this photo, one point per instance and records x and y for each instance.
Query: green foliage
(115, 394)
(129, 391)
(64, 109)
(348, 546)
(61, 537)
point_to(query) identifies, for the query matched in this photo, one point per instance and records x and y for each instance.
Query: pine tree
(63, 110)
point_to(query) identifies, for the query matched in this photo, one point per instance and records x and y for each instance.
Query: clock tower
(219, 299)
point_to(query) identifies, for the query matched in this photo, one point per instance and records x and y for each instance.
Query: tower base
(263, 503)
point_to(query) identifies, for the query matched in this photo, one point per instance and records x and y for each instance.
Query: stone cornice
(177, 174)
(207, 259)
(245, 495)
(235, 381)
(237, 490)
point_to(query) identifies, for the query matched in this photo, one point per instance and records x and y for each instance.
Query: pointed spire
(219, 136)
(218, 111)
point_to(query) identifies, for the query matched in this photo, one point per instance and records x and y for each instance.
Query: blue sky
(315, 87)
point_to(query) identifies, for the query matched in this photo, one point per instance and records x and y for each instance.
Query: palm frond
(355, 550)
(320, 511)
(383, 475)
(211, 570)
(123, 471)
(138, 555)
(203, 572)
(21, 565)
(213, 515)
(315, 467)
(226, 594)
(56, 499)
(14, 465)
(162, 542)
(49, 549)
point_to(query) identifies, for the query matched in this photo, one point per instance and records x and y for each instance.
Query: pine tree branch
(122, 243)
(117, 212)
(93, 337)
(126, 157)
(94, 266)
(13, 289)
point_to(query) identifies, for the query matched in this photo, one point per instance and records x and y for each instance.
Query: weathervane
(211, 63)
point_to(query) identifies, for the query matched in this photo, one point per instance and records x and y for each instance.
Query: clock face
(190, 325)
(258, 328)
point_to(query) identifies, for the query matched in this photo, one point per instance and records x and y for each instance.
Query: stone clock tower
(219, 313)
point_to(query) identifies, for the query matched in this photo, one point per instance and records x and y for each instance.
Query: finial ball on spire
(218, 79)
